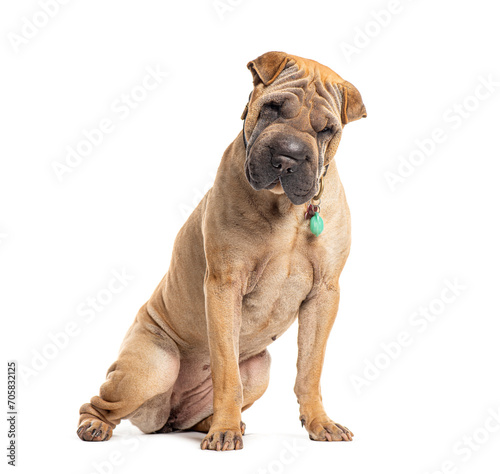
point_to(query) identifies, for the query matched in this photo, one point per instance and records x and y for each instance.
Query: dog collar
(244, 118)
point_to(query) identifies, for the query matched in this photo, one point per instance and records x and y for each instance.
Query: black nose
(284, 164)
(288, 152)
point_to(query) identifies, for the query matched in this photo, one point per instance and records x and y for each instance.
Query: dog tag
(316, 224)
(311, 210)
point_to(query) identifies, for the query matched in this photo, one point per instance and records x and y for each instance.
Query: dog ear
(352, 106)
(267, 68)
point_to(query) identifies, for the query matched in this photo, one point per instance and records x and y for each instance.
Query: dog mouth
(278, 183)
(295, 192)
(273, 184)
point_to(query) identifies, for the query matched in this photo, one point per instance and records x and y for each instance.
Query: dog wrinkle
(163, 328)
(189, 403)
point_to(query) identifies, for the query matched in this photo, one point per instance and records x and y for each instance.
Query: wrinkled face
(293, 130)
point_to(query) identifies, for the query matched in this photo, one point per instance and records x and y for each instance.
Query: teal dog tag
(316, 224)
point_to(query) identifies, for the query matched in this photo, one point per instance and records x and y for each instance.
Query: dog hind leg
(138, 384)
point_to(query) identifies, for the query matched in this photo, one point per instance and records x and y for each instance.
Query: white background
(123, 205)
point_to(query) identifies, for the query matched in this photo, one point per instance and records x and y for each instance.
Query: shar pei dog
(266, 245)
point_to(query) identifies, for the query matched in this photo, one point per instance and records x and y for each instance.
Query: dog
(266, 245)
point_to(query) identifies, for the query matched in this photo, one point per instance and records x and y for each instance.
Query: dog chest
(273, 304)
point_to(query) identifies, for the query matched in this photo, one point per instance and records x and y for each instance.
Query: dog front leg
(223, 299)
(316, 318)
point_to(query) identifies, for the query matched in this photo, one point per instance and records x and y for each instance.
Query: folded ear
(267, 68)
(352, 106)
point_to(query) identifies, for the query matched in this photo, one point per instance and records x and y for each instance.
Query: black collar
(244, 118)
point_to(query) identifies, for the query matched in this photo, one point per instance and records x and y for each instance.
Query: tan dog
(244, 266)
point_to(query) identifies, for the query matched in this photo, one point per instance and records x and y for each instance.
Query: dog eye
(274, 106)
(270, 111)
(327, 130)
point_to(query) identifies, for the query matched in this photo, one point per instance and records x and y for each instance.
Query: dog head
(293, 123)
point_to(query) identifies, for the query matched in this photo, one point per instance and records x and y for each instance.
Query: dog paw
(93, 429)
(223, 440)
(327, 430)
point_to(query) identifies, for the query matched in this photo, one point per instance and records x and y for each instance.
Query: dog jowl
(244, 267)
